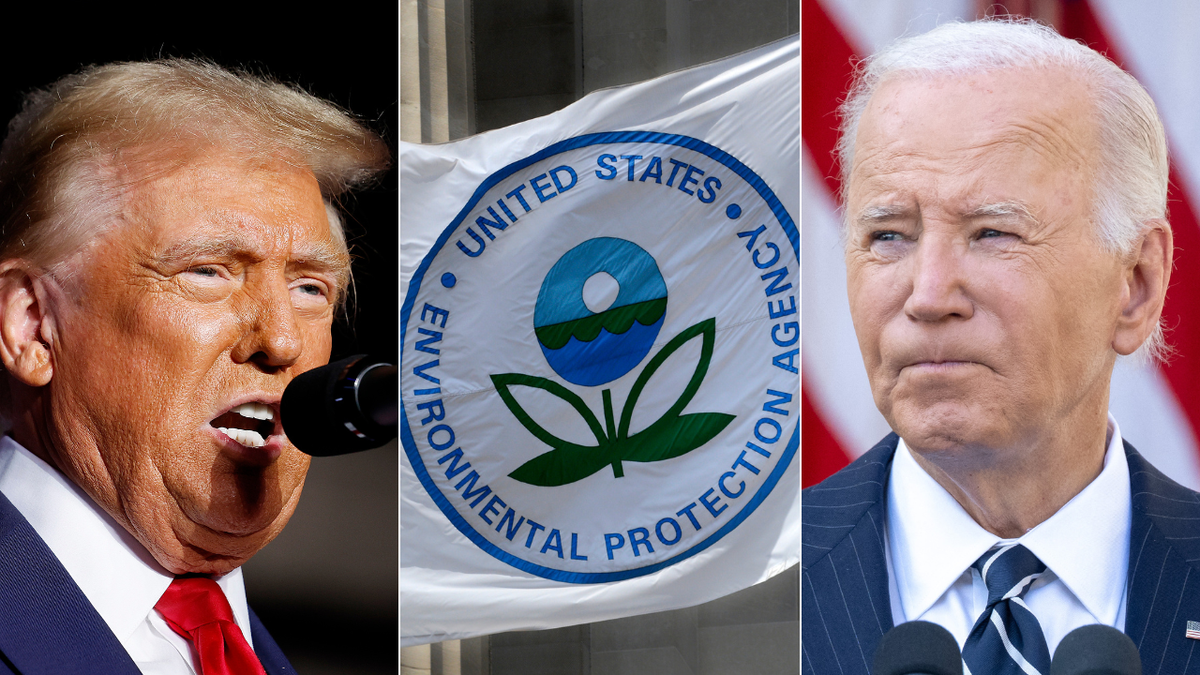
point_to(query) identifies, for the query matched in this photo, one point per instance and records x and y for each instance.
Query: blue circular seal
(592, 348)
(487, 428)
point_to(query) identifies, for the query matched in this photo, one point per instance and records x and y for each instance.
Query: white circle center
(600, 291)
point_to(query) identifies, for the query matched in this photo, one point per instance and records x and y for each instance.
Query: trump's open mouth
(249, 424)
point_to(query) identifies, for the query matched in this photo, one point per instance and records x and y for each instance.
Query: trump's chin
(222, 529)
(190, 547)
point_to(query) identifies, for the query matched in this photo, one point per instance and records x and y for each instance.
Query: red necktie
(196, 608)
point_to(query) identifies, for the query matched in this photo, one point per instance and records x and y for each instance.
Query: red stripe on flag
(1181, 316)
(826, 68)
(1180, 313)
(820, 453)
(1078, 22)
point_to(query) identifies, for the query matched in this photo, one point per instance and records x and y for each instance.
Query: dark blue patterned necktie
(1007, 638)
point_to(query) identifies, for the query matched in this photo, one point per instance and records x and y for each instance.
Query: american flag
(1193, 630)
(1158, 408)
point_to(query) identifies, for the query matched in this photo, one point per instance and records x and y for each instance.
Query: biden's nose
(938, 280)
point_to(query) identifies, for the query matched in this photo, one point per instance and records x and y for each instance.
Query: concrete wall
(754, 632)
(537, 56)
(437, 92)
(633, 40)
(525, 63)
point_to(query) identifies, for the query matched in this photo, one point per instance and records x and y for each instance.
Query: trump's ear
(24, 324)
(1147, 275)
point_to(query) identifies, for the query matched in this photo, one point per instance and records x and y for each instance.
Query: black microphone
(1096, 650)
(917, 648)
(346, 406)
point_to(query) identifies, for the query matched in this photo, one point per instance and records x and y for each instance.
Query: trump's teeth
(250, 439)
(257, 411)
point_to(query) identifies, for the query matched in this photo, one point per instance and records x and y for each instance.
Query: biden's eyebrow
(875, 215)
(1000, 210)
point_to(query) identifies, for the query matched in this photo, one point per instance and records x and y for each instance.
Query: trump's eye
(310, 292)
(204, 271)
(205, 283)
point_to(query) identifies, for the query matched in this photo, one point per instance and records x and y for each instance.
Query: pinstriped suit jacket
(845, 608)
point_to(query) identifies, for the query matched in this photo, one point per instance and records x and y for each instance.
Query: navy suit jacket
(844, 597)
(47, 625)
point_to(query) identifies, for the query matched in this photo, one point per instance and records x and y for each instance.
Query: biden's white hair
(1130, 183)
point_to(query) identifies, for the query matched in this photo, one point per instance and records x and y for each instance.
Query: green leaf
(562, 466)
(667, 438)
(505, 380)
(707, 330)
(674, 436)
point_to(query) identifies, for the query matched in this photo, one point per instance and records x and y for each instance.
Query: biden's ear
(25, 325)
(1147, 275)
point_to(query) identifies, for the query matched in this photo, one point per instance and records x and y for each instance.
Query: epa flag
(600, 354)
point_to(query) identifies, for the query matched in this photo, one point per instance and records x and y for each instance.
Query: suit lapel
(47, 625)
(272, 658)
(844, 587)
(844, 594)
(1164, 587)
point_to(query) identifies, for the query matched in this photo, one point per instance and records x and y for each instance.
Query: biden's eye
(989, 233)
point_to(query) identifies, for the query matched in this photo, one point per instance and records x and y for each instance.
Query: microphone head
(346, 406)
(1096, 650)
(917, 648)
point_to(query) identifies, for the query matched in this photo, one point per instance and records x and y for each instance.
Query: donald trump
(170, 259)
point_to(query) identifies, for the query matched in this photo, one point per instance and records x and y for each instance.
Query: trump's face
(171, 341)
(986, 309)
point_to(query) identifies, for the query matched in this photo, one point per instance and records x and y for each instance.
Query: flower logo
(593, 348)
(590, 348)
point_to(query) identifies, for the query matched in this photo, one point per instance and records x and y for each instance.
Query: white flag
(600, 353)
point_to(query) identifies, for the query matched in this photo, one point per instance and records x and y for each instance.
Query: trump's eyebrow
(321, 256)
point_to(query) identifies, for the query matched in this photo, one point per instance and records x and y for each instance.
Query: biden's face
(175, 335)
(986, 309)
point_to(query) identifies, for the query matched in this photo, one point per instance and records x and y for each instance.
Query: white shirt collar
(116, 573)
(933, 541)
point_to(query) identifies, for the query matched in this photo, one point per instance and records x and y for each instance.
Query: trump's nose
(273, 338)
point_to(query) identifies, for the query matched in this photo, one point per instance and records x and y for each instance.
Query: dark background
(327, 588)
(351, 60)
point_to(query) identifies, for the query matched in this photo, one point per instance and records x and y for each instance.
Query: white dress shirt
(116, 573)
(932, 542)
